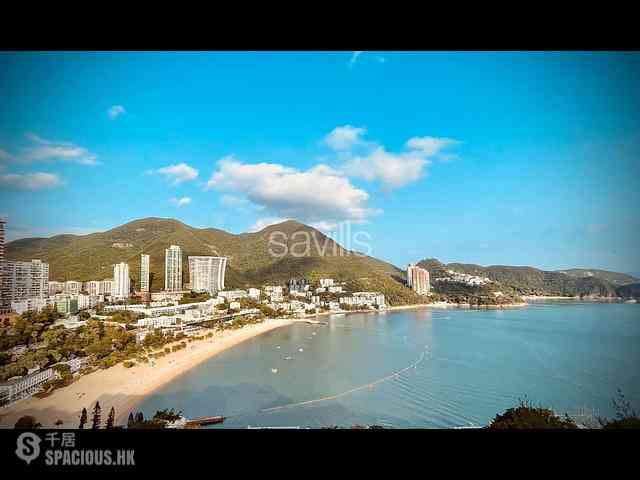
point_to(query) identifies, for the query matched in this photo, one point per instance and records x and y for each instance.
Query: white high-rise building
(144, 273)
(25, 280)
(121, 281)
(173, 269)
(418, 279)
(206, 274)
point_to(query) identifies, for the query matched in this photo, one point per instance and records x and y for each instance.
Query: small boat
(278, 347)
(274, 370)
(288, 358)
(301, 349)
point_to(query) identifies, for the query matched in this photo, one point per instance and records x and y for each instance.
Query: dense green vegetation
(158, 421)
(194, 297)
(532, 281)
(613, 277)
(104, 345)
(526, 416)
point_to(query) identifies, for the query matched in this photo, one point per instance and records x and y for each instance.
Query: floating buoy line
(370, 385)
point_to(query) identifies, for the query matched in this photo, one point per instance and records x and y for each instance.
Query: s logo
(28, 447)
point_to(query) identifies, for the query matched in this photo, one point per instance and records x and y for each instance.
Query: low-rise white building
(163, 296)
(254, 293)
(276, 296)
(207, 306)
(23, 387)
(71, 287)
(230, 295)
(269, 289)
(55, 287)
(362, 299)
(88, 301)
(32, 304)
(326, 282)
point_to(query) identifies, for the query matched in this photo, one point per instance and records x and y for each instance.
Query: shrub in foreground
(526, 416)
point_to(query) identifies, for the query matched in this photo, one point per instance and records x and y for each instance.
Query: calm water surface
(467, 366)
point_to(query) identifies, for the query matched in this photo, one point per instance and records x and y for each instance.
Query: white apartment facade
(92, 287)
(106, 287)
(55, 287)
(32, 305)
(173, 269)
(144, 272)
(72, 287)
(121, 282)
(206, 274)
(418, 279)
(23, 387)
(24, 280)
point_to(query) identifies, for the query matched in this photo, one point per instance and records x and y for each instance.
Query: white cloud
(180, 202)
(392, 170)
(354, 58)
(430, 146)
(345, 137)
(55, 150)
(318, 194)
(375, 163)
(265, 222)
(115, 111)
(30, 181)
(177, 174)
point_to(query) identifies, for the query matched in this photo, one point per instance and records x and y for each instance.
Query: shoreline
(125, 388)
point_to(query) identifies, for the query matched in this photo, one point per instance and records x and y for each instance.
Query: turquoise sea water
(456, 368)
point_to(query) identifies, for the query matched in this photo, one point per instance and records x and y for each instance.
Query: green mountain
(533, 281)
(613, 277)
(272, 255)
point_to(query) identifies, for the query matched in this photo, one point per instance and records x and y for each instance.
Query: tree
(526, 416)
(131, 420)
(95, 421)
(83, 419)
(111, 418)
(626, 416)
(27, 423)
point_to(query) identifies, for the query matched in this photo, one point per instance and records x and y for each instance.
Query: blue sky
(491, 158)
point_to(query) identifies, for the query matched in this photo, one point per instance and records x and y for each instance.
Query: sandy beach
(124, 388)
